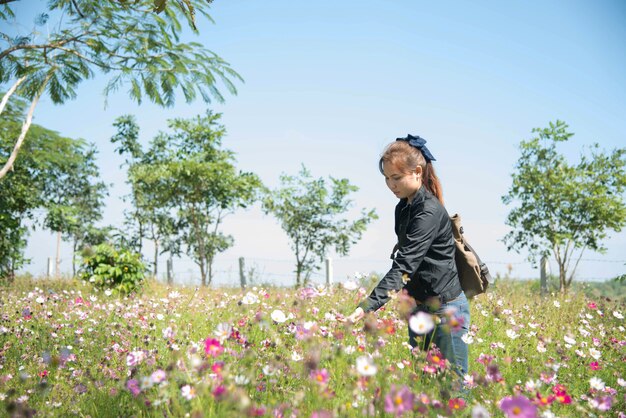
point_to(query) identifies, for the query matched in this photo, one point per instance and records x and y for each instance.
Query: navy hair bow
(419, 143)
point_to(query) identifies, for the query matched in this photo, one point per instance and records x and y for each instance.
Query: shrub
(119, 270)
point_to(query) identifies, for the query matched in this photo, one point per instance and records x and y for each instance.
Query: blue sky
(328, 84)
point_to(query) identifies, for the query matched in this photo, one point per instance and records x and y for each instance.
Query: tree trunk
(20, 140)
(298, 274)
(562, 281)
(156, 257)
(202, 272)
(57, 269)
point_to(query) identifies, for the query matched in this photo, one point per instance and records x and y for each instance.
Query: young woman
(423, 260)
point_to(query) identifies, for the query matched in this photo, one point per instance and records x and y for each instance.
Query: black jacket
(425, 252)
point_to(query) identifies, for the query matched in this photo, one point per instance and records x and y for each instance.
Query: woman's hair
(406, 157)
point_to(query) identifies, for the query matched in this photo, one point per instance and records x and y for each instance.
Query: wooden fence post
(544, 275)
(329, 271)
(242, 273)
(170, 271)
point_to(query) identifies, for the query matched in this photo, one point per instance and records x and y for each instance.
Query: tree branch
(8, 94)
(29, 118)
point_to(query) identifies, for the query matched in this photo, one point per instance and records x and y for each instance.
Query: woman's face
(403, 184)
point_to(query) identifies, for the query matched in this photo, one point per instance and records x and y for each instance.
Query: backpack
(473, 273)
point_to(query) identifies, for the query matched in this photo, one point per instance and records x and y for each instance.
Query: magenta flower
(518, 407)
(320, 376)
(212, 347)
(133, 387)
(399, 401)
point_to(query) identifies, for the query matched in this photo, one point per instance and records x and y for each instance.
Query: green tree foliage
(75, 197)
(151, 216)
(185, 185)
(124, 39)
(311, 216)
(56, 177)
(564, 208)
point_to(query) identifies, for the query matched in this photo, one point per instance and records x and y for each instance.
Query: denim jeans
(447, 335)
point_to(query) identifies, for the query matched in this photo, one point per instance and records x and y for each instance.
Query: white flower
(268, 370)
(594, 353)
(295, 356)
(349, 349)
(134, 358)
(621, 382)
(250, 299)
(479, 411)
(511, 334)
(541, 348)
(467, 338)
(557, 304)
(533, 385)
(365, 366)
(108, 292)
(188, 392)
(421, 323)
(569, 340)
(278, 316)
(350, 285)
(174, 295)
(42, 300)
(596, 383)
(241, 380)
(618, 315)
(222, 331)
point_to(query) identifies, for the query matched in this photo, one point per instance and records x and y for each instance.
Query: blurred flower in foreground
(518, 407)
(421, 323)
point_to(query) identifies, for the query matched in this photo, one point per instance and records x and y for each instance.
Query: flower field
(67, 349)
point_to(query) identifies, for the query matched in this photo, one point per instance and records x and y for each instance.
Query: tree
(75, 196)
(564, 209)
(309, 213)
(125, 39)
(187, 184)
(54, 176)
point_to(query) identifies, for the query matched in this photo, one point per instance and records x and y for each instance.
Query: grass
(69, 350)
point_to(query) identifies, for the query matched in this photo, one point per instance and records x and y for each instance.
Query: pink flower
(399, 401)
(518, 407)
(456, 404)
(219, 392)
(602, 403)
(435, 359)
(594, 365)
(212, 347)
(320, 376)
(592, 305)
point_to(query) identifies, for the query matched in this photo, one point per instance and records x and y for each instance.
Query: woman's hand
(356, 316)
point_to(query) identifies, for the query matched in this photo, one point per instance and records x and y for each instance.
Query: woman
(423, 260)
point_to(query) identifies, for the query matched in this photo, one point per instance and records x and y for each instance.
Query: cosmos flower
(399, 401)
(596, 383)
(188, 392)
(212, 347)
(278, 316)
(421, 323)
(518, 407)
(365, 366)
(320, 377)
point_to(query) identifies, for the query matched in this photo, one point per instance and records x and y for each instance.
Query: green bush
(105, 267)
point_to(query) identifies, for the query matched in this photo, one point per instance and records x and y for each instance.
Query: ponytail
(431, 181)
